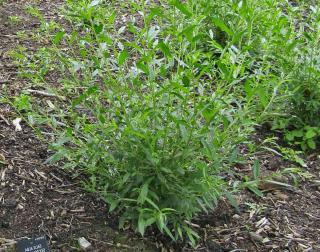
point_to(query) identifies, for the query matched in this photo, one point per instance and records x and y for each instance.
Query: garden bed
(37, 198)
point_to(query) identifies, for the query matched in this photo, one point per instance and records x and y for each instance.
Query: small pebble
(20, 206)
(236, 217)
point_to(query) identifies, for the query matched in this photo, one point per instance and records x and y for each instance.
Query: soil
(36, 198)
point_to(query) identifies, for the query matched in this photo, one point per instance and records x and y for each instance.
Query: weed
(14, 20)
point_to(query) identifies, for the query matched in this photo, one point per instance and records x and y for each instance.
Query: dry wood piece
(7, 245)
(39, 92)
(4, 119)
(45, 94)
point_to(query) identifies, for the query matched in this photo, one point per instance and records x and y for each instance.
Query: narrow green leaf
(216, 44)
(168, 232)
(232, 201)
(182, 7)
(253, 188)
(141, 224)
(150, 221)
(160, 221)
(306, 34)
(219, 23)
(165, 49)
(58, 37)
(143, 67)
(113, 205)
(256, 169)
(191, 235)
(122, 57)
(143, 193)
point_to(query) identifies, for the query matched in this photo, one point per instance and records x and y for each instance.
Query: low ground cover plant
(155, 97)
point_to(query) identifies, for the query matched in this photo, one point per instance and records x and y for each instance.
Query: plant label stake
(36, 244)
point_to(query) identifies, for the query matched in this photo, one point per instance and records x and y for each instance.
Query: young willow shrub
(148, 124)
(159, 103)
(152, 129)
(155, 159)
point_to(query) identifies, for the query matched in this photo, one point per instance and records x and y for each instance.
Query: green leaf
(55, 157)
(141, 224)
(165, 49)
(122, 57)
(98, 28)
(168, 232)
(113, 205)
(216, 44)
(278, 183)
(219, 23)
(253, 188)
(143, 193)
(58, 37)
(289, 136)
(256, 170)
(310, 134)
(155, 12)
(144, 68)
(311, 144)
(248, 89)
(179, 230)
(160, 221)
(297, 133)
(191, 235)
(186, 81)
(82, 97)
(232, 201)
(182, 8)
(306, 34)
(150, 221)
(188, 32)
(184, 132)
(263, 94)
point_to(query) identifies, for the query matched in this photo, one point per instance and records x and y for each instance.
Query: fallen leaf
(281, 195)
(271, 185)
(2, 158)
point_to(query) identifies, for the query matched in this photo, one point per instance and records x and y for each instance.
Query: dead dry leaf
(281, 195)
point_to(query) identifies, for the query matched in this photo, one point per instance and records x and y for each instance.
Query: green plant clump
(158, 96)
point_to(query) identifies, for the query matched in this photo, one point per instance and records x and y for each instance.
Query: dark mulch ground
(39, 199)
